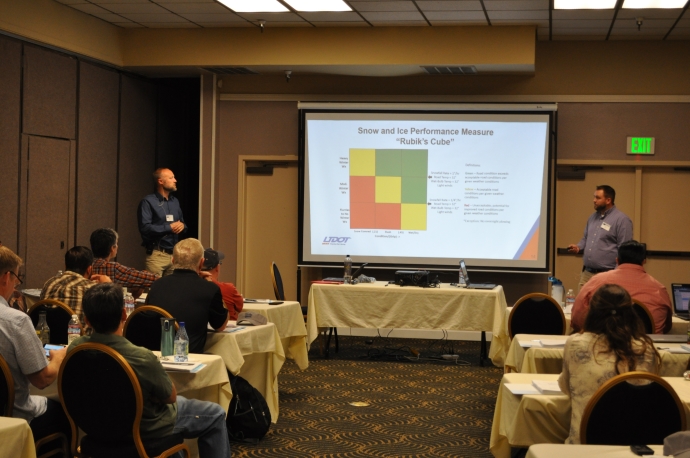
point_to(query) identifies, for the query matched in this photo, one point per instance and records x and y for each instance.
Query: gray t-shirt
(23, 351)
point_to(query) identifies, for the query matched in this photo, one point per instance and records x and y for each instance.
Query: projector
(412, 277)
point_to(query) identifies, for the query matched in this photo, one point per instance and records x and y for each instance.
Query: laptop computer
(471, 285)
(681, 300)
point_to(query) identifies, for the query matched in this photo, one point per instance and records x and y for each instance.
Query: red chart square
(362, 215)
(362, 189)
(387, 216)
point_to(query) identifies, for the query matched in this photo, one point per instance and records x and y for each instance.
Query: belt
(595, 271)
(164, 250)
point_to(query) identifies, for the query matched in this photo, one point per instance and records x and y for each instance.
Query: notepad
(192, 367)
(553, 342)
(547, 386)
(519, 389)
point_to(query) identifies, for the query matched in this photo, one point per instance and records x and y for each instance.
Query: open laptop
(471, 285)
(681, 300)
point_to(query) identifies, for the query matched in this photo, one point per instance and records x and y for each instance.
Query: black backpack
(248, 417)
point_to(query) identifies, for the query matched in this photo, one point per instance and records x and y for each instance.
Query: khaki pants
(159, 263)
(584, 278)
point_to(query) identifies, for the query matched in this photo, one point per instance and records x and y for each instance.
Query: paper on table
(547, 386)
(521, 388)
(683, 349)
(177, 367)
(258, 301)
(530, 343)
(553, 342)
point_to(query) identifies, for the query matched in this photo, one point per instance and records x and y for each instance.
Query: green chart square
(388, 163)
(415, 162)
(414, 190)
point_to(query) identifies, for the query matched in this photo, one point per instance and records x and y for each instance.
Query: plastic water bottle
(73, 329)
(129, 302)
(348, 269)
(42, 329)
(557, 290)
(569, 301)
(181, 345)
(461, 277)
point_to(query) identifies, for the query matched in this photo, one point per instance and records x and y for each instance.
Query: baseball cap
(212, 258)
(251, 319)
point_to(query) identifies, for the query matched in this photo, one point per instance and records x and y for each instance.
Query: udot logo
(335, 240)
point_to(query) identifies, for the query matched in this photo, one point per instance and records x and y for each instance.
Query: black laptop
(681, 300)
(471, 285)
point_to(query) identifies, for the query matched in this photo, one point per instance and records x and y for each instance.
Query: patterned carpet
(417, 408)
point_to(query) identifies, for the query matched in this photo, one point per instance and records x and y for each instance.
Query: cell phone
(641, 450)
(49, 347)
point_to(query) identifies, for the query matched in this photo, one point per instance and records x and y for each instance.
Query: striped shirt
(122, 275)
(69, 289)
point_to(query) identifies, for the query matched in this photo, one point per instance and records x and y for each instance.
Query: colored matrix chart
(388, 189)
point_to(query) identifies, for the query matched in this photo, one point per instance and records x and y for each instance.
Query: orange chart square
(362, 189)
(362, 215)
(387, 216)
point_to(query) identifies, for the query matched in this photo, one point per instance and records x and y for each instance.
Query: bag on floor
(248, 417)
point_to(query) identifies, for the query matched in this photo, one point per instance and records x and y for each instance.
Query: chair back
(645, 315)
(58, 316)
(6, 389)
(536, 313)
(143, 326)
(277, 282)
(623, 413)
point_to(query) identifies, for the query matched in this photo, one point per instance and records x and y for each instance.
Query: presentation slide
(415, 189)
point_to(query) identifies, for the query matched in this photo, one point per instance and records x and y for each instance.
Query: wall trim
(534, 98)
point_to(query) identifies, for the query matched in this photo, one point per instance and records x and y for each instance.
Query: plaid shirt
(123, 276)
(69, 289)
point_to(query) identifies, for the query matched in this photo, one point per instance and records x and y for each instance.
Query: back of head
(78, 259)
(8, 260)
(609, 192)
(103, 304)
(187, 254)
(632, 252)
(102, 240)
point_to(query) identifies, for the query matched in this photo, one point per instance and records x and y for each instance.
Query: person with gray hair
(188, 297)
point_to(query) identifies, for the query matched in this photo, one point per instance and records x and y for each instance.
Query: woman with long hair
(612, 341)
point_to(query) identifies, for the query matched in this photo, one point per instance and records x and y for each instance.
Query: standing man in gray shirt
(606, 229)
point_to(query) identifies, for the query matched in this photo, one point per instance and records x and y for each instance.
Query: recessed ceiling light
(318, 5)
(635, 4)
(255, 6)
(584, 4)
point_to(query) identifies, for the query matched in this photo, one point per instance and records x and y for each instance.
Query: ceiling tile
(89, 8)
(580, 31)
(170, 25)
(154, 18)
(128, 25)
(361, 23)
(396, 16)
(196, 8)
(111, 17)
(583, 14)
(120, 1)
(228, 18)
(458, 22)
(343, 16)
(646, 24)
(146, 8)
(272, 17)
(449, 5)
(658, 13)
(167, 2)
(539, 22)
(456, 15)
(538, 14)
(212, 25)
(71, 2)
(384, 6)
(515, 5)
(399, 23)
(581, 23)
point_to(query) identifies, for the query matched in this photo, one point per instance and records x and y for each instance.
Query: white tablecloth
(256, 354)
(380, 305)
(16, 439)
(289, 321)
(588, 451)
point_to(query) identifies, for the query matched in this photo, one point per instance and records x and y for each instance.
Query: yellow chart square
(413, 217)
(388, 190)
(362, 162)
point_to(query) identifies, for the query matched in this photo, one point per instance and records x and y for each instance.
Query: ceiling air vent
(231, 70)
(465, 70)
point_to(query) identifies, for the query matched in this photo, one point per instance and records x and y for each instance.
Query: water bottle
(461, 277)
(557, 290)
(348, 269)
(42, 329)
(181, 345)
(129, 302)
(569, 301)
(73, 329)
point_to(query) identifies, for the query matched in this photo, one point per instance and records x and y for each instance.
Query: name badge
(606, 226)
(170, 219)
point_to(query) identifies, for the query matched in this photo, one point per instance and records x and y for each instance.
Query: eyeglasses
(19, 277)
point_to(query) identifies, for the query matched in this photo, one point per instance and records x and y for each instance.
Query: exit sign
(640, 145)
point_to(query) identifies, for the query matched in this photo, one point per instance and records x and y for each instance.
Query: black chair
(143, 326)
(277, 282)
(101, 396)
(536, 313)
(645, 315)
(622, 413)
(58, 316)
(6, 389)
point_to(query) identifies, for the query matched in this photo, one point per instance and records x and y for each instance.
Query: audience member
(22, 350)
(231, 297)
(613, 342)
(69, 287)
(16, 300)
(640, 285)
(104, 247)
(188, 297)
(165, 412)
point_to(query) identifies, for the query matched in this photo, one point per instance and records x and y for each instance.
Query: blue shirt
(603, 235)
(153, 225)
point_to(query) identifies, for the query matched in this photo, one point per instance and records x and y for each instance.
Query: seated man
(104, 247)
(231, 297)
(164, 413)
(188, 297)
(69, 287)
(24, 354)
(640, 285)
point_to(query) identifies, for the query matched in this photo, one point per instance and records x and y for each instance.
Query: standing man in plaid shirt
(104, 247)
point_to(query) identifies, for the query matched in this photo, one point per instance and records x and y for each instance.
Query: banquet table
(383, 305)
(589, 451)
(16, 439)
(255, 353)
(549, 360)
(289, 321)
(521, 421)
